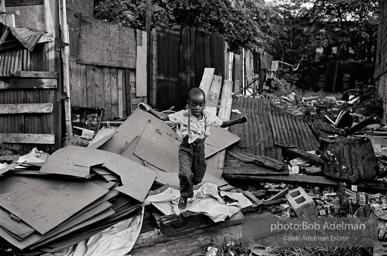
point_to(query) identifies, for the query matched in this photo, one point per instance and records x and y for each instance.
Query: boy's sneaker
(183, 203)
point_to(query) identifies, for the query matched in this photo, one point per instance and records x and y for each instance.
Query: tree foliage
(243, 23)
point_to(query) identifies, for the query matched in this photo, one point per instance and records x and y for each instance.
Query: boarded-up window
(106, 44)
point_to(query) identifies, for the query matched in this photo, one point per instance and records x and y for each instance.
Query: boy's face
(196, 104)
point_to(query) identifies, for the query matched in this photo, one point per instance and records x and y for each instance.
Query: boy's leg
(185, 173)
(198, 163)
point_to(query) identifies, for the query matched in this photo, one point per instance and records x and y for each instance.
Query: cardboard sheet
(43, 203)
(18, 229)
(136, 179)
(219, 139)
(133, 127)
(158, 148)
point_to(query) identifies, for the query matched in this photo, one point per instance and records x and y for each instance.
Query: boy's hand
(143, 106)
(242, 120)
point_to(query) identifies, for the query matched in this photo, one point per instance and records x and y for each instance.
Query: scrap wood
(304, 155)
(252, 198)
(136, 179)
(258, 160)
(152, 238)
(277, 196)
(15, 227)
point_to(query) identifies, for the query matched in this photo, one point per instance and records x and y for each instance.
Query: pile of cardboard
(79, 191)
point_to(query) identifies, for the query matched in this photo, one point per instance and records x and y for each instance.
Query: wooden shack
(31, 87)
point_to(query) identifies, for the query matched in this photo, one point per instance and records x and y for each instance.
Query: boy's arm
(149, 109)
(241, 120)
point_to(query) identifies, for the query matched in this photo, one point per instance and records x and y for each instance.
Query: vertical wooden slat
(114, 92)
(120, 74)
(107, 94)
(91, 84)
(141, 58)
(83, 85)
(99, 99)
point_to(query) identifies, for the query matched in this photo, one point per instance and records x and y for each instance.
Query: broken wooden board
(213, 95)
(133, 126)
(115, 44)
(26, 108)
(218, 140)
(258, 160)
(152, 243)
(158, 149)
(173, 224)
(304, 155)
(252, 198)
(224, 114)
(205, 83)
(136, 179)
(27, 138)
(28, 83)
(44, 204)
(293, 179)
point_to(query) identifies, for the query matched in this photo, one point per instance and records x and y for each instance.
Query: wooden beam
(292, 178)
(25, 83)
(24, 138)
(65, 64)
(26, 108)
(36, 74)
(148, 26)
(13, 3)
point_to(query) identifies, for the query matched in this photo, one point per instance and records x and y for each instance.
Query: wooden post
(148, 25)
(65, 51)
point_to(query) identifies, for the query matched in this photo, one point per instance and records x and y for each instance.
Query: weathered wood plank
(25, 83)
(214, 94)
(107, 94)
(118, 51)
(27, 138)
(141, 71)
(26, 108)
(36, 74)
(225, 114)
(120, 74)
(151, 244)
(114, 92)
(23, 3)
(205, 84)
(47, 37)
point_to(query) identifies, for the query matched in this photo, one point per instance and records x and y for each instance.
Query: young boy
(193, 127)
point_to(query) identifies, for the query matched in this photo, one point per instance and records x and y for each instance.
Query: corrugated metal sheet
(289, 130)
(257, 135)
(268, 128)
(323, 130)
(27, 37)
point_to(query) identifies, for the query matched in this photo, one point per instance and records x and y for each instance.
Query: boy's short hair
(196, 91)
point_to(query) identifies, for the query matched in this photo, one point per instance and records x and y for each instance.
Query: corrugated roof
(27, 37)
(269, 128)
(289, 130)
(323, 129)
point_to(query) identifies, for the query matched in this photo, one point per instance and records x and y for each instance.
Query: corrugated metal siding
(21, 60)
(256, 136)
(268, 128)
(323, 130)
(289, 130)
(27, 37)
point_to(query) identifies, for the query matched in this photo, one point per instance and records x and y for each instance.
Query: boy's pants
(192, 165)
